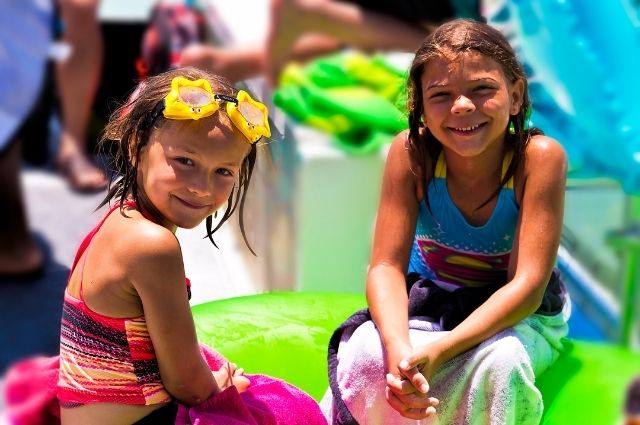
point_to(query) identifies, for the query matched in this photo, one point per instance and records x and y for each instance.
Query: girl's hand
(411, 403)
(394, 355)
(420, 366)
(231, 375)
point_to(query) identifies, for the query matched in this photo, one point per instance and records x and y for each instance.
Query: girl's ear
(517, 94)
(132, 155)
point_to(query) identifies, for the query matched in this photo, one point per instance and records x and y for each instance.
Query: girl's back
(103, 318)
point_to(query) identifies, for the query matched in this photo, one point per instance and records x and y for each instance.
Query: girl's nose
(462, 105)
(201, 187)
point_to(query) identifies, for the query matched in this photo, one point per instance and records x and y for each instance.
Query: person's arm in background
(346, 22)
(302, 30)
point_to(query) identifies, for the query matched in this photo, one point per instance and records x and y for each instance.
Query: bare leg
(18, 251)
(77, 78)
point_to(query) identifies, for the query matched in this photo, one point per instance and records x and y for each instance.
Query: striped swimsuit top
(105, 359)
(453, 253)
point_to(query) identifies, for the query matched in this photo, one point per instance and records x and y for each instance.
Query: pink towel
(31, 398)
(267, 401)
(31, 392)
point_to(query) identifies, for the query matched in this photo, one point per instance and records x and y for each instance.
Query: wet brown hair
(130, 128)
(455, 38)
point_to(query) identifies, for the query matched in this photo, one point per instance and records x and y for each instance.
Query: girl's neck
(483, 167)
(151, 213)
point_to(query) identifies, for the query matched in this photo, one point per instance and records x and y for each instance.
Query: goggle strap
(155, 114)
(225, 98)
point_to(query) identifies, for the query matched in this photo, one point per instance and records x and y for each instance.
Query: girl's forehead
(204, 134)
(466, 65)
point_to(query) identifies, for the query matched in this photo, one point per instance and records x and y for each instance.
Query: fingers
(413, 374)
(237, 378)
(221, 377)
(400, 386)
(241, 383)
(407, 393)
(416, 410)
(230, 374)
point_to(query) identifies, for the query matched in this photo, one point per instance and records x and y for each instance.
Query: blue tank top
(453, 253)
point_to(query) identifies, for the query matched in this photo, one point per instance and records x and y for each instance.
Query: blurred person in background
(77, 76)
(632, 403)
(304, 29)
(25, 38)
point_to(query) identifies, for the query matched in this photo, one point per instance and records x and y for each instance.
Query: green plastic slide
(286, 334)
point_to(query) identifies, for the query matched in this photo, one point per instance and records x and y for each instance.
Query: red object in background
(171, 28)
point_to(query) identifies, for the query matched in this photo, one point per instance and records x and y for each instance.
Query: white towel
(493, 383)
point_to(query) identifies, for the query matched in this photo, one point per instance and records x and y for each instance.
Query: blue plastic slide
(583, 58)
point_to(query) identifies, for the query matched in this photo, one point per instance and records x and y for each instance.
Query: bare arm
(395, 227)
(532, 259)
(327, 24)
(355, 25)
(157, 273)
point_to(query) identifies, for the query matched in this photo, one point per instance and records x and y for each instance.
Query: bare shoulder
(145, 244)
(400, 146)
(545, 152)
(399, 160)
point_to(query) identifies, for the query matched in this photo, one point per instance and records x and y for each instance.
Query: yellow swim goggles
(192, 100)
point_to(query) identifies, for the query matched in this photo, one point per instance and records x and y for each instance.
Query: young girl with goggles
(129, 351)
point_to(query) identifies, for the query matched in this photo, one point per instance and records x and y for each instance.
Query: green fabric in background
(358, 100)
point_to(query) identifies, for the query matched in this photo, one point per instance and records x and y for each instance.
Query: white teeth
(467, 128)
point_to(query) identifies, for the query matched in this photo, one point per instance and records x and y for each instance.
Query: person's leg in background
(77, 78)
(20, 257)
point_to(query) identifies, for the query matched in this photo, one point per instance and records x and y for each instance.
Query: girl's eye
(224, 172)
(483, 89)
(438, 95)
(185, 161)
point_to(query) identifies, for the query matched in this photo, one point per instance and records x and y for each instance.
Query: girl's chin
(189, 223)
(465, 151)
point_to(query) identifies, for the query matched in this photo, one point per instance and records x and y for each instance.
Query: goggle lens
(251, 113)
(194, 96)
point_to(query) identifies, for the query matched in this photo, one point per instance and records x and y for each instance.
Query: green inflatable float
(358, 100)
(286, 334)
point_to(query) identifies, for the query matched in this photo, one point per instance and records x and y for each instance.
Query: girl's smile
(468, 131)
(193, 205)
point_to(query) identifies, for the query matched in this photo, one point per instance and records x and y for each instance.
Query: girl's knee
(507, 359)
(361, 357)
